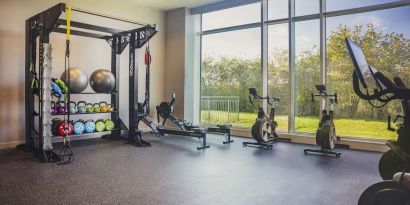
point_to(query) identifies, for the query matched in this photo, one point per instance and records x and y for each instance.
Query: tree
(388, 52)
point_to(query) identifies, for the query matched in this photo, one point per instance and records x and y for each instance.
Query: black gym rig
(47, 22)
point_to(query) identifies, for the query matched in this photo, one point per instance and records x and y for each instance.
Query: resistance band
(148, 59)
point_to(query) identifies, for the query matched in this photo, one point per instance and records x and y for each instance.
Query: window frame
(291, 20)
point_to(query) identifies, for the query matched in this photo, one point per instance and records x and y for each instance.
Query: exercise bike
(264, 128)
(396, 162)
(165, 111)
(326, 133)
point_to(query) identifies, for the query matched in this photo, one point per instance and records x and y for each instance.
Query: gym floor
(174, 172)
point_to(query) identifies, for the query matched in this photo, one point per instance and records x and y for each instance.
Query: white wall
(175, 57)
(182, 60)
(88, 54)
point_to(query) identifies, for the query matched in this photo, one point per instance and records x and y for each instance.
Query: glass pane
(307, 35)
(306, 7)
(334, 5)
(231, 64)
(385, 39)
(278, 9)
(232, 17)
(278, 71)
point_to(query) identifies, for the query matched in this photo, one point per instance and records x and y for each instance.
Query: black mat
(174, 172)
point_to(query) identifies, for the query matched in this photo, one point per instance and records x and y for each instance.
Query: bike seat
(406, 179)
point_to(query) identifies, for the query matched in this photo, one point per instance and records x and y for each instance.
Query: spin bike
(326, 133)
(165, 111)
(394, 164)
(264, 128)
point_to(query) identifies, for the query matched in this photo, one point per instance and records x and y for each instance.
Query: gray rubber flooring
(174, 172)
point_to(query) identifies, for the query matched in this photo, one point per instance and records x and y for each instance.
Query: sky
(247, 43)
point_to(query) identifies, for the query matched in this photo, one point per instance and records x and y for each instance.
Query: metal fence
(217, 109)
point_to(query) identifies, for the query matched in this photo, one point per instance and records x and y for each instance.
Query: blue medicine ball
(90, 126)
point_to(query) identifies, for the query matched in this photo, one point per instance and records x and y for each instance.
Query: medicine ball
(65, 128)
(102, 81)
(78, 80)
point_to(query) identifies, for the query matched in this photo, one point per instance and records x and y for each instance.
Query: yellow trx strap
(68, 18)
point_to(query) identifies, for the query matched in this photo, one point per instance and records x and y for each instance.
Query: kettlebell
(53, 108)
(61, 107)
(54, 124)
(109, 125)
(73, 107)
(89, 108)
(110, 107)
(79, 127)
(96, 107)
(103, 106)
(99, 125)
(81, 107)
(89, 126)
(65, 128)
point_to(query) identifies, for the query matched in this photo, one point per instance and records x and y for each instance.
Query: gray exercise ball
(102, 81)
(78, 80)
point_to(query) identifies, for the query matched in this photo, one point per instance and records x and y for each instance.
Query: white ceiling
(173, 4)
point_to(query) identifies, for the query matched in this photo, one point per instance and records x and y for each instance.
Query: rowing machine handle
(173, 99)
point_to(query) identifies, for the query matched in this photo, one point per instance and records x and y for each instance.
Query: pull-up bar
(109, 17)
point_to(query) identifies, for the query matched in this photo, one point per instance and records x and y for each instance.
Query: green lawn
(344, 127)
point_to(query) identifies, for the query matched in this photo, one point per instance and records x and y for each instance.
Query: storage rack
(41, 26)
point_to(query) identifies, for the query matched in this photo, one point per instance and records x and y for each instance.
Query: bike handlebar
(325, 95)
(267, 98)
(395, 91)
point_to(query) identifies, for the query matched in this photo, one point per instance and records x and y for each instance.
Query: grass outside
(344, 127)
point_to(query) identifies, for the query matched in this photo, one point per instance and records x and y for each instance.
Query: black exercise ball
(102, 81)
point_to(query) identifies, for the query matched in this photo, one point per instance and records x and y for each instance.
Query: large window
(278, 9)
(385, 40)
(307, 75)
(278, 71)
(332, 5)
(306, 7)
(233, 59)
(231, 64)
(231, 17)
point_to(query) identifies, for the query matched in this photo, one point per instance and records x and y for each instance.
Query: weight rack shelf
(38, 29)
(93, 93)
(87, 113)
(57, 139)
(91, 133)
